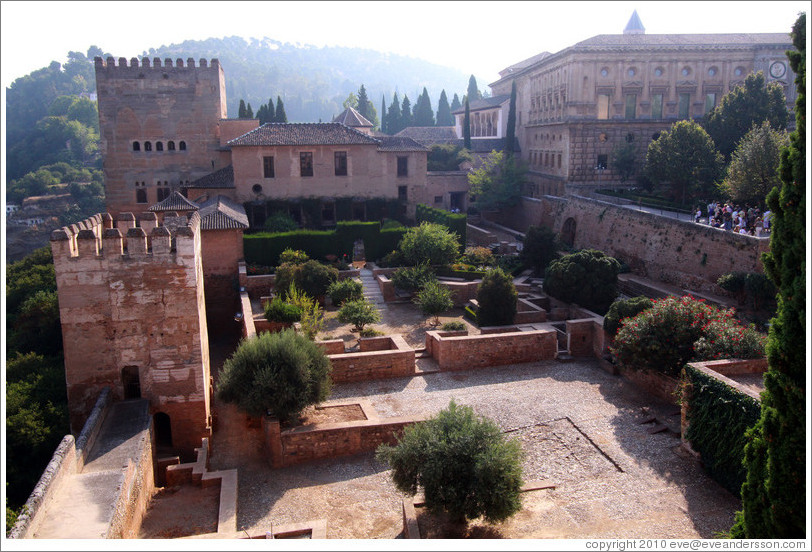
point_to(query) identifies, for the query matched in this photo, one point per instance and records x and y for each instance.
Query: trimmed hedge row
(718, 418)
(455, 222)
(264, 248)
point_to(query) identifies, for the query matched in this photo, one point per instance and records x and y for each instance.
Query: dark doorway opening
(131, 380)
(568, 232)
(163, 429)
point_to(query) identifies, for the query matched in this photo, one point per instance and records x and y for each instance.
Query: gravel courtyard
(581, 428)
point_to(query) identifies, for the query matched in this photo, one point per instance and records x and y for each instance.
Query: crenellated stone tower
(132, 307)
(160, 127)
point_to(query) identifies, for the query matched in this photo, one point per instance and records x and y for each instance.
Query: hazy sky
(478, 37)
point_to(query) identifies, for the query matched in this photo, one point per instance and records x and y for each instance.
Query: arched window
(159, 146)
(136, 146)
(170, 145)
(147, 146)
(182, 146)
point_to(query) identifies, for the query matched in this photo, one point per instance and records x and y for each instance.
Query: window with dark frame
(163, 191)
(403, 166)
(306, 163)
(341, 163)
(182, 146)
(631, 106)
(402, 193)
(267, 166)
(170, 145)
(147, 146)
(657, 106)
(603, 161)
(159, 146)
(684, 106)
(136, 146)
(140, 192)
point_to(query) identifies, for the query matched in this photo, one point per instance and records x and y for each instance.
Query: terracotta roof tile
(175, 202)
(222, 178)
(302, 134)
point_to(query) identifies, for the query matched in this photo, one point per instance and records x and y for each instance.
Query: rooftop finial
(634, 26)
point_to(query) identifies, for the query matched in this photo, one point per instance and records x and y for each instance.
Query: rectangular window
(163, 193)
(140, 193)
(403, 166)
(559, 160)
(306, 163)
(631, 106)
(710, 102)
(657, 106)
(341, 163)
(402, 193)
(684, 106)
(603, 106)
(603, 161)
(267, 166)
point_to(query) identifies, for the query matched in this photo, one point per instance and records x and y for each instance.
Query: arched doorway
(568, 232)
(163, 429)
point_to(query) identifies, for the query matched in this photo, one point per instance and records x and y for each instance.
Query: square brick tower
(132, 307)
(159, 127)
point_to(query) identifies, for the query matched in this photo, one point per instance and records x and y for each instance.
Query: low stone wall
(248, 328)
(330, 440)
(656, 384)
(135, 492)
(478, 351)
(461, 292)
(586, 337)
(481, 236)
(377, 358)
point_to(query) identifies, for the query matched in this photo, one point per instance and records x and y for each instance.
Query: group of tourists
(734, 218)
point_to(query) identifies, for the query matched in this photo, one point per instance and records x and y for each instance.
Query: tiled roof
(429, 135)
(302, 134)
(352, 118)
(175, 202)
(222, 213)
(484, 103)
(222, 178)
(398, 143)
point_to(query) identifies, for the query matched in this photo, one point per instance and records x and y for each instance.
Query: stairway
(372, 292)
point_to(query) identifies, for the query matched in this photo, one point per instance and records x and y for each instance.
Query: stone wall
(455, 352)
(655, 384)
(378, 358)
(134, 318)
(442, 185)
(682, 253)
(221, 251)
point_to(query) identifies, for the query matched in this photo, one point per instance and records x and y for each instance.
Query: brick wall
(221, 251)
(378, 358)
(477, 351)
(655, 384)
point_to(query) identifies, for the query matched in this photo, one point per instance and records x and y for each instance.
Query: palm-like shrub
(464, 464)
(434, 300)
(359, 313)
(345, 290)
(497, 298)
(588, 278)
(275, 373)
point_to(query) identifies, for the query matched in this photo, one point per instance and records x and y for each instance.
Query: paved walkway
(84, 504)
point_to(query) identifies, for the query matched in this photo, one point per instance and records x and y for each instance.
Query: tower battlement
(127, 237)
(156, 63)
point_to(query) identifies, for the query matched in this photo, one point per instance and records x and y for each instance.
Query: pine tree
(773, 496)
(384, 127)
(510, 134)
(281, 117)
(406, 119)
(444, 116)
(241, 110)
(393, 116)
(249, 113)
(423, 114)
(455, 103)
(473, 92)
(466, 126)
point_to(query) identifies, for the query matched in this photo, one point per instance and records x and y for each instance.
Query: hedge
(455, 222)
(718, 418)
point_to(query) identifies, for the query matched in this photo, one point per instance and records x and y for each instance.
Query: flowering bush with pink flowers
(676, 330)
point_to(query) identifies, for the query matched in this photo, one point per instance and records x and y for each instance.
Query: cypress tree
(773, 495)
(241, 110)
(384, 118)
(393, 116)
(423, 114)
(281, 116)
(271, 112)
(249, 113)
(466, 126)
(510, 134)
(364, 104)
(406, 119)
(444, 116)
(473, 91)
(455, 103)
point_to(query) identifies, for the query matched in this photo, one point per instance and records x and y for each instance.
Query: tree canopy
(753, 169)
(498, 182)
(444, 116)
(588, 278)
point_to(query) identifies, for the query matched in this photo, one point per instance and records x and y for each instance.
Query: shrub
(359, 313)
(464, 464)
(678, 330)
(293, 256)
(311, 277)
(457, 223)
(588, 278)
(412, 278)
(392, 259)
(622, 309)
(280, 222)
(497, 298)
(370, 332)
(434, 300)
(278, 310)
(345, 290)
(429, 243)
(312, 317)
(454, 326)
(278, 373)
(539, 248)
(478, 256)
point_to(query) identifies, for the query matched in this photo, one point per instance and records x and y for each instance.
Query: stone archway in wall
(568, 232)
